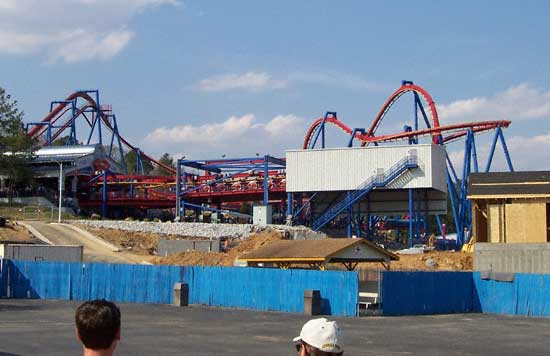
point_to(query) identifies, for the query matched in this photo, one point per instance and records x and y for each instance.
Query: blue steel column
(492, 151)
(505, 149)
(411, 213)
(104, 196)
(73, 125)
(358, 226)
(266, 182)
(349, 211)
(178, 190)
(98, 117)
(289, 203)
(184, 186)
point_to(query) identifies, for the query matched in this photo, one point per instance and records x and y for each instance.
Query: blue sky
(206, 78)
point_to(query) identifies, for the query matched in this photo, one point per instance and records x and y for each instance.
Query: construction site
(394, 190)
(389, 218)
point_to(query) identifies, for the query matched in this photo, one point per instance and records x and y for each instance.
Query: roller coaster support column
(411, 217)
(266, 180)
(321, 130)
(358, 220)
(178, 190)
(499, 134)
(104, 196)
(96, 120)
(350, 212)
(289, 203)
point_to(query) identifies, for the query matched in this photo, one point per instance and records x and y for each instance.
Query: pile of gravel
(213, 231)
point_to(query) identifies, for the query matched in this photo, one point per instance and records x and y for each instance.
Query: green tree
(61, 141)
(131, 163)
(15, 145)
(167, 160)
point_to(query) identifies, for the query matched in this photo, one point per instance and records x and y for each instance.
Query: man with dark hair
(320, 337)
(98, 327)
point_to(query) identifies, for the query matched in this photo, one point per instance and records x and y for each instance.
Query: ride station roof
(528, 184)
(318, 253)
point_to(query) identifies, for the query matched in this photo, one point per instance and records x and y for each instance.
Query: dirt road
(93, 252)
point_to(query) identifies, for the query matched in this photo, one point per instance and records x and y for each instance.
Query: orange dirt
(145, 244)
(141, 243)
(16, 234)
(444, 261)
(223, 258)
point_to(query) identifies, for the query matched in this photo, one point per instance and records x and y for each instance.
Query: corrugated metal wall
(3, 277)
(415, 293)
(528, 294)
(347, 168)
(43, 252)
(251, 288)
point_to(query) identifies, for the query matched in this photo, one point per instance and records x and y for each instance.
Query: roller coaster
(228, 182)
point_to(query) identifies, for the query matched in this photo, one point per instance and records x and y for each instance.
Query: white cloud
(521, 102)
(237, 135)
(262, 80)
(248, 80)
(80, 46)
(69, 30)
(337, 79)
(282, 124)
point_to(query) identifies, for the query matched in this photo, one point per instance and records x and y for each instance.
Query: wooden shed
(511, 207)
(318, 253)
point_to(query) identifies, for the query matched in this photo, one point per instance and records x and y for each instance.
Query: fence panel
(272, 289)
(526, 295)
(414, 293)
(251, 288)
(3, 277)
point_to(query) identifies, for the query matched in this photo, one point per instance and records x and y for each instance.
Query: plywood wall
(495, 218)
(525, 222)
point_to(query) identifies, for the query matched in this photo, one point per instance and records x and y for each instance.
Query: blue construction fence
(416, 293)
(234, 287)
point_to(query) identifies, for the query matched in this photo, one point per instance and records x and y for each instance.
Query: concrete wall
(512, 258)
(28, 252)
(171, 247)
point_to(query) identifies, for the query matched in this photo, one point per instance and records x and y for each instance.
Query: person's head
(320, 337)
(98, 324)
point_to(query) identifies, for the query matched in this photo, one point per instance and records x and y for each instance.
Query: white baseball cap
(322, 334)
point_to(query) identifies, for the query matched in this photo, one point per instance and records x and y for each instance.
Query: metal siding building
(28, 252)
(342, 169)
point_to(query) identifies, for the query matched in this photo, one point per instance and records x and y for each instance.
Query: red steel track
(439, 134)
(58, 111)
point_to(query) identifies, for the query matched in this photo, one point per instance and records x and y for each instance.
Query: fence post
(181, 294)
(312, 302)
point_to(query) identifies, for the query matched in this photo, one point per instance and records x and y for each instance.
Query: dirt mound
(227, 258)
(133, 241)
(435, 261)
(16, 234)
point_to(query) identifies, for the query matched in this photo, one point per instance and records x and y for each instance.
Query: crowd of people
(98, 329)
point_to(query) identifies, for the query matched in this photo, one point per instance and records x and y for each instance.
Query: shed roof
(323, 250)
(509, 184)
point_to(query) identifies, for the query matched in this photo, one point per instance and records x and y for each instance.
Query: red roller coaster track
(454, 131)
(58, 111)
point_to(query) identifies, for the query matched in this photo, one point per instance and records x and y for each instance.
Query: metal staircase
(376, 181)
